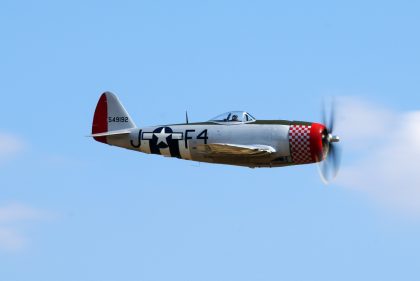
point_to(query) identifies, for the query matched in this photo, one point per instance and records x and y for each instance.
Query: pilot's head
(235, 117)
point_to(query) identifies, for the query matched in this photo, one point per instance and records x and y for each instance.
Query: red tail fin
(100, 118)
(110, 118)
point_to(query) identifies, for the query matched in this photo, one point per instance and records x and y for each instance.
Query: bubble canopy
(234, 117)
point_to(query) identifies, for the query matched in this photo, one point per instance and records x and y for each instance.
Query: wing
(219, 149)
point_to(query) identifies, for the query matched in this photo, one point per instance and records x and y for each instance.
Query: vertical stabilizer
(110, 115)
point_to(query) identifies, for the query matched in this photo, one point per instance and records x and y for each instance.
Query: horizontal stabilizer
(111, 133)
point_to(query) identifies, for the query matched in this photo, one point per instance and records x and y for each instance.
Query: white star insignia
(162, 136)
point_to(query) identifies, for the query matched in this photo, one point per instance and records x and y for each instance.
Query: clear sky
(74, 209)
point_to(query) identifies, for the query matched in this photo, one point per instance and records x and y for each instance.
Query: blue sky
(74, 209)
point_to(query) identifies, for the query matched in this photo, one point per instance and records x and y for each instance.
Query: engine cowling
(308, 143)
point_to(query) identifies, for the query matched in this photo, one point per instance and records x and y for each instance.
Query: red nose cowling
(306, 143)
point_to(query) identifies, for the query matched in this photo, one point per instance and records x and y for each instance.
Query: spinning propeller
(329, 167)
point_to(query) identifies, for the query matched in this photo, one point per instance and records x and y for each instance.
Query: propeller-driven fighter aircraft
(233, 138)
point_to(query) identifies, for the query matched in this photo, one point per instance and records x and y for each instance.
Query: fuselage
(291, 141)
(234, 138)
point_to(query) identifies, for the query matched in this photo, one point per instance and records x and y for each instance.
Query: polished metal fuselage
(188, 141)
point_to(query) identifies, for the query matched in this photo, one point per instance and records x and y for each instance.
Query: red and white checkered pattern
(300, 145)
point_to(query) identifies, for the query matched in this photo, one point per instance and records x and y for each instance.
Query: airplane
(232, 138)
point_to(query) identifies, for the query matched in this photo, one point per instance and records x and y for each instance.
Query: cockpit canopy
(234, 117)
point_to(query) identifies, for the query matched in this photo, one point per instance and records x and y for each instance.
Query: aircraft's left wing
(236, 149)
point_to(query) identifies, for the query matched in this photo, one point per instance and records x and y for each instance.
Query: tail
(110, 118)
